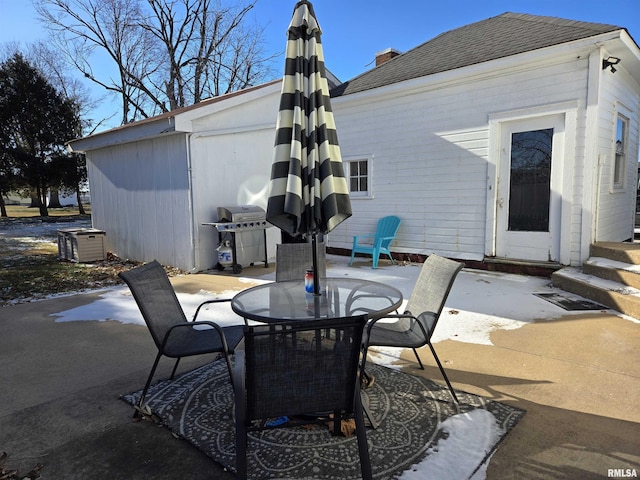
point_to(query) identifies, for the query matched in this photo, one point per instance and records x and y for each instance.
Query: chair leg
(363, 376)
(240, 414)
(241, 455)
(229, 367)
(418, 359)
(444, 375)
(175, 367)
(361, 433)
(241, 442)
(136, 413)
(376, 257)
(372, 420)
(337, 422)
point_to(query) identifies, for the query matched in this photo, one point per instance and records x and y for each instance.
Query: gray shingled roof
(490, 39)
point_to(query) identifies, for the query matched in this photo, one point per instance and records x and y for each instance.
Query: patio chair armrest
(214, 325)
(373, 321)
(379, 240)
(217, 300)
(363, 310)
(366, 334)
(353, 297)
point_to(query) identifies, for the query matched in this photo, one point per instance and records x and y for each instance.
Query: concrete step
(622, 272)
(620, 251)
(612, 294)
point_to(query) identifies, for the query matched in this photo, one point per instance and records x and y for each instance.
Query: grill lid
(241, 213)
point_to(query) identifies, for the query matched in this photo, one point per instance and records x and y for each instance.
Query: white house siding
(430, 140)
(141, 199)
(155, 182)
(434, 143)
(231, 156)
(616, 207)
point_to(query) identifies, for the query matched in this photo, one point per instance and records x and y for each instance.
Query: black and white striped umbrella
(308, 190)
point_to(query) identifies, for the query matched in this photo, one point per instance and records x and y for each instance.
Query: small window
(359, 173)
(620, 164)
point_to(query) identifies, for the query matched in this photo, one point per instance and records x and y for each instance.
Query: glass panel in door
(530, 181)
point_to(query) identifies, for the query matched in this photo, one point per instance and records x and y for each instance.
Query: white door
(529, 189)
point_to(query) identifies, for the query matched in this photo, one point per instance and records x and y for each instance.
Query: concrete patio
(575, 374)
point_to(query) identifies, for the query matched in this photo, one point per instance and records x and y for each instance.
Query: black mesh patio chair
(296, 373)
(414, 328)
(294, 259)
(172, 333)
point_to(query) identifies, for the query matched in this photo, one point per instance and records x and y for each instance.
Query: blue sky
(354, 30)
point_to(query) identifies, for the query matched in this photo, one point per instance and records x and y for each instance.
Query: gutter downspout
(195, 254)
(593, 162)
(596, 223)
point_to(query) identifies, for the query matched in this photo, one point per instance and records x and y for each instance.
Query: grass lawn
(22, 211)
(29, 265)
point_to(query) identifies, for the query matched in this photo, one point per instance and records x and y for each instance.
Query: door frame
(562, 182)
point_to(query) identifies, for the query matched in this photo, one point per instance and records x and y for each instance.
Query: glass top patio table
(340, 297)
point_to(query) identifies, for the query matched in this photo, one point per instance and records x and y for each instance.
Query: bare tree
(80, 27)
(53, 65)
(167, 53)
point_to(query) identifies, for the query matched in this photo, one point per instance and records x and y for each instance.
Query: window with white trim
(621, 146)
(359, 176)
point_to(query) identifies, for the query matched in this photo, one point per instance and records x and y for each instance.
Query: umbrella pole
(316, 277)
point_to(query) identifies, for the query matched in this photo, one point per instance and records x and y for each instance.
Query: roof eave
(184, 120)
(150, 128)
(177, 121)
(625, 48)
(470, 72)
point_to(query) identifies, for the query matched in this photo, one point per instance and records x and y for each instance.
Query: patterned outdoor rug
(417, 418)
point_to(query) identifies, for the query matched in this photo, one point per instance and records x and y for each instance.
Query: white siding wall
(140, 198)
(431, 153)
(433, 163)
(152, 196)
(231, 164)
(616, 207)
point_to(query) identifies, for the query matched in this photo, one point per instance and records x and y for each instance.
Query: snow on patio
(479, 303)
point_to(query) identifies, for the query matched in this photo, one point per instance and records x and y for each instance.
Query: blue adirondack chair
(385, 233)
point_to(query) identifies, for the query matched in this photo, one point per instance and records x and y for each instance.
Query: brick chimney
(386, 55)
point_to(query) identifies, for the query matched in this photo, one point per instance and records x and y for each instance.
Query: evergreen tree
(35, 123)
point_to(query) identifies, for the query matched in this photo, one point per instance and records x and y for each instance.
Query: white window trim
(620, 113)
(359, 158)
